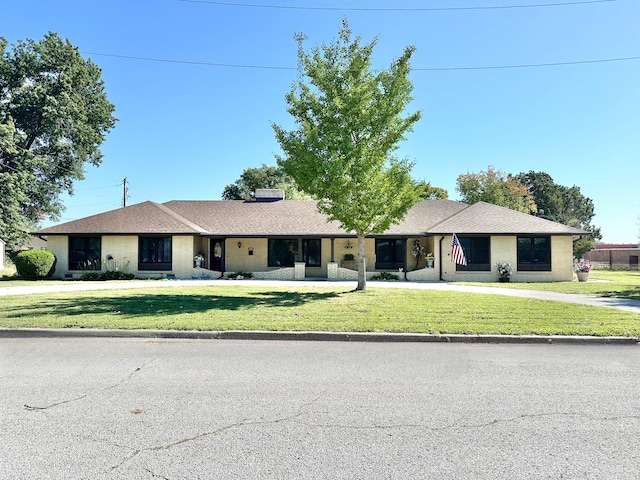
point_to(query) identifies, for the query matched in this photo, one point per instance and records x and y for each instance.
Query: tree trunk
(362, 267)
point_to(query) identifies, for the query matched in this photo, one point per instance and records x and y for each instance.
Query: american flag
(457, 254)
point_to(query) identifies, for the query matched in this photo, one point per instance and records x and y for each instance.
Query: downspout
(440, 258)
(406, 251)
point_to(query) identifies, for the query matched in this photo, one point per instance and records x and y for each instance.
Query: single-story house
(273, 238)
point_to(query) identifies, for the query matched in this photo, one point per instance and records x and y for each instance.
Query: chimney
(269, 194)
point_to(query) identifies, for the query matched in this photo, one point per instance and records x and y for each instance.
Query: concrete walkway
(617, 303)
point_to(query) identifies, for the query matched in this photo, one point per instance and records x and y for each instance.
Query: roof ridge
(433, 227)
(178, 217)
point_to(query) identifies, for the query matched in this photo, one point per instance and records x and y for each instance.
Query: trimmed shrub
(385, 276)
(35, 264)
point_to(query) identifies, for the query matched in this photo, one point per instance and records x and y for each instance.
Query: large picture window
(477, 252)
(534, 254)
(389, 253)
(85, 253)
(154, 253)
(284, 252)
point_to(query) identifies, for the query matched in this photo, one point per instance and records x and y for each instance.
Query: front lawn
(239, 307)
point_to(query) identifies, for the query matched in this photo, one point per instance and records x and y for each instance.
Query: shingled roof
(299, 218)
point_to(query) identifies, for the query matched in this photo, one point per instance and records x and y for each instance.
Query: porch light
(239, 244)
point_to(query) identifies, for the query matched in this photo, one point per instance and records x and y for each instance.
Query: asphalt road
(95, 408)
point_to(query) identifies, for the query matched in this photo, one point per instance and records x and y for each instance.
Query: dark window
(311, 252)
(477, 252)
(154, 253)
(85, 253)
(285, 252)
(282, 252)
(534, 254)
(389, 253)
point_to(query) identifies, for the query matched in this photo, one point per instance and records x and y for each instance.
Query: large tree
(244, 188)
(566, 205)
(54, 115)
(429, 192)
(496, 187)
(348, 122)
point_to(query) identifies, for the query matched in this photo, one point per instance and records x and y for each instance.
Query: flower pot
(198, 263)
(429, 263)
(504, 279)
(583, 276)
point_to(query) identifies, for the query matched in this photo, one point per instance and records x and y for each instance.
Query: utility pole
(125, 192)
(299, 37)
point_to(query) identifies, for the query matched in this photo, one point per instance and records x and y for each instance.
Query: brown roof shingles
(299, 218)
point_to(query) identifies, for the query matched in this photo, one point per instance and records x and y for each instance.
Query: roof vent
(269, 194)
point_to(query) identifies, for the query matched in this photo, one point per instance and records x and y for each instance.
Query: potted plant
(199, 258)
(582, 269)
(504, 271)
(430, 259)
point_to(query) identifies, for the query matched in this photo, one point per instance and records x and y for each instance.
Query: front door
(216, 249)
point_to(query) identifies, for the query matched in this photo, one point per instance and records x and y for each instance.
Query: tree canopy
(54, 115)
(566, 205)
(430, 192)
(244, 188)
(348, 122)
(496, 187)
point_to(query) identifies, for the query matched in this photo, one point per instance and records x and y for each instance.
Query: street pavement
(96, 408)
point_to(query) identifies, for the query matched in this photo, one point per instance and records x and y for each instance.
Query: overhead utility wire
(434, 69)
(397, 9)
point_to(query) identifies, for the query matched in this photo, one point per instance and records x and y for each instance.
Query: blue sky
(186, 130)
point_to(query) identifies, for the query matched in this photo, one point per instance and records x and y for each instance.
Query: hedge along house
(273, 238)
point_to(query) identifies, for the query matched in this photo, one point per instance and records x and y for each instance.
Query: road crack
(85, 395)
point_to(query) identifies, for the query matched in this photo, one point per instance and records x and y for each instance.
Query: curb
(313, 336)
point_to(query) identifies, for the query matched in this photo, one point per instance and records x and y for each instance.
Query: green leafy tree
(54, 115)
(566, 205)
(262, 177)
(494, 186)
(348, 121)
(432, 193)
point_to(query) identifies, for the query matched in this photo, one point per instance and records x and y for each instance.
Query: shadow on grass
(139, 305)
(632, 293)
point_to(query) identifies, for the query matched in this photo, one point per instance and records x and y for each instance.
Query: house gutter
(440, 255)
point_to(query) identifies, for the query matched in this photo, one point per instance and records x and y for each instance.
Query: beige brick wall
(59, 246)
(504, 249)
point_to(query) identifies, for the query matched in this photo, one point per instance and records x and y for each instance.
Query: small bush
(116, 275)
(239, 275)
(90, 275)
(385, 276)
(34, 264)
(108, 275)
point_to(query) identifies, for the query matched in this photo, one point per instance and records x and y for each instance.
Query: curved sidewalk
(609, 302)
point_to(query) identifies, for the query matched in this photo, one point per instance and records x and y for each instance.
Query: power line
(397, 9)
(188, 62)
(530, 65)
(426, 69)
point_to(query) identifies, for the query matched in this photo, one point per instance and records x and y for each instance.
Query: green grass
(239, 307)
(602, 283)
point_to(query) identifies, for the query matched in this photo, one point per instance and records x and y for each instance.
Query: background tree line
(532, 192)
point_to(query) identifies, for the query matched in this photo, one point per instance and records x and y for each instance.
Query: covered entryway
(216, 255)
